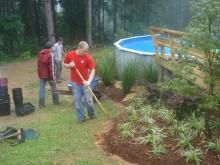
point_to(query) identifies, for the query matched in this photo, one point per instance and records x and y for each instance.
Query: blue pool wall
(124, 53)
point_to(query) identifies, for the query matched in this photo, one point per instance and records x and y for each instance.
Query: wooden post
(162, 51)
(156, 51)
(161, 78)
(172, 49)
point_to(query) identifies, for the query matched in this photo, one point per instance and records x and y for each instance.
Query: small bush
(129, 75)
(106, 66)
(26, 55)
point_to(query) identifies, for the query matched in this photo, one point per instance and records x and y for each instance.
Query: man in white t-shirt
(58, 50)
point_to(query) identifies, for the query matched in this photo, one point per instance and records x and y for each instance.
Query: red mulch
(111, 142)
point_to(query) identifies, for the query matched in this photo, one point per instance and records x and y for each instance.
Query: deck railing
(172, 39)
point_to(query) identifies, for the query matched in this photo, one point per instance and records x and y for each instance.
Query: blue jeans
(80, 91)
(42, 92)
(58, 69)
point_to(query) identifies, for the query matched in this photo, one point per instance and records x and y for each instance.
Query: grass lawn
(62, 140)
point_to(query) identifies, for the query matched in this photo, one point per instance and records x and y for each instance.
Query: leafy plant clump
(126, 130)
(214, 146)
(26, 55)
(185, 141)
(106, 66)
(150, 73)
(129, 75)
(192, 155)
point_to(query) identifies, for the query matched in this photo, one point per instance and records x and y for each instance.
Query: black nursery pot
(3, 88)
(17, 97)
(5, 106)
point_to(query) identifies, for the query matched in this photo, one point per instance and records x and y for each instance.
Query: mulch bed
(111, 92)
(111, 142)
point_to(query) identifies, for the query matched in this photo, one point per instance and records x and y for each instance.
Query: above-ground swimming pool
(135, 48)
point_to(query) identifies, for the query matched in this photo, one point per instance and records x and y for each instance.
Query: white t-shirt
(58, 49)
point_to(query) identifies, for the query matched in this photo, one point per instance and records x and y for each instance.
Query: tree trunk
(89, 22)
(49, 20)
(103, 20)
(115, 16)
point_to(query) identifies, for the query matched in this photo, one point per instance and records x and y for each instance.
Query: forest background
(24, 23)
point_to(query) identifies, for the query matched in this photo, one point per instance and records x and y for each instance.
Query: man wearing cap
(46, 72)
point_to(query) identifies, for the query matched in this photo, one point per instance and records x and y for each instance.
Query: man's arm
(70, 65)
(51, 67)
(91, 76)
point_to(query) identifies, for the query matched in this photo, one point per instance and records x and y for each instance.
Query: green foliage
(197, 124)
(129, 75)
(155, 137)
(215, 146)
(151, 72)
(11, 25)
(121, 33)
(126, 130)
(11, 29)
(192, 155)
(132, 113)
(184, 141)
(178, 128)
(26, 55)
(204, 33)
(106, 66)
(167, 115)
(158, 150)
(146, 115)
(137, 103)
(209, 103)
(181, 87)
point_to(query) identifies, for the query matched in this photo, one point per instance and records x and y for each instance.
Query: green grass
(61, 141)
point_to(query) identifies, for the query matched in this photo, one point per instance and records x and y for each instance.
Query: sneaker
(92, 117)
(81, 121)
(41, 106)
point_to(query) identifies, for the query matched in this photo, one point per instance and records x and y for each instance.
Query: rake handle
(102, 108)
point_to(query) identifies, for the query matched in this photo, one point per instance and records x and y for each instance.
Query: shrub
(181, 87)
(150, 73)
(106, 66)
(129, 75)
(183, 106)
(26, 55)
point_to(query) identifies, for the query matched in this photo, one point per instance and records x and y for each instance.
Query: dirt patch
(100, 139)
(111, 92)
